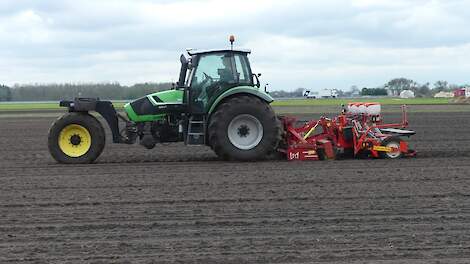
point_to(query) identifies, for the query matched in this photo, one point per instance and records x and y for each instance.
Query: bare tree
(440, 86)
(399, 84)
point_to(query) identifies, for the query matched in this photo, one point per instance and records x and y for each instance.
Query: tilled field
(179, 204)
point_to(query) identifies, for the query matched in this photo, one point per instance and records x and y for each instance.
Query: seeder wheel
(392, 142)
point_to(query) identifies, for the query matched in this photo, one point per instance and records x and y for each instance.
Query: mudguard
(240, 90)
(104, 108)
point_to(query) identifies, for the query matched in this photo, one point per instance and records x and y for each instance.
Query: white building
(443, 94)
(407, 94)
(310, 95)
(325, 93)
(328, 93)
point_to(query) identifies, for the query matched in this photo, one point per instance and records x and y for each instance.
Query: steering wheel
(207, 78)
(207, 82)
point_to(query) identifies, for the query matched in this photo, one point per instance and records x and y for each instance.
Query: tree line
(397, 85)
(5, 93)
(116, 91)
(393, 87)
(55, 92)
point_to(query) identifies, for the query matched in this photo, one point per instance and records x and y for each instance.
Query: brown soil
(178, 204)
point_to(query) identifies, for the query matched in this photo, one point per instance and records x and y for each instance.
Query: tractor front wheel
(244, 128)
(76, 138)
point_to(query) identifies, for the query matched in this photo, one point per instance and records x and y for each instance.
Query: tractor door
(213, 74)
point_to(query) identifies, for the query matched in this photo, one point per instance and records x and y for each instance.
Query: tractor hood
(154, 106)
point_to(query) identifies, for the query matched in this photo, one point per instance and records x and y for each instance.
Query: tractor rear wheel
(76, 138)
(391, 142)
(244, 128)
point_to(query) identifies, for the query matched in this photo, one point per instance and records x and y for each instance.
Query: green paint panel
(169, 96)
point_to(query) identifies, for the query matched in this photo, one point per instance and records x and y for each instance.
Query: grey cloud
(348, 38)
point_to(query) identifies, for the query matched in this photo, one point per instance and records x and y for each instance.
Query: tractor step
(196, 134)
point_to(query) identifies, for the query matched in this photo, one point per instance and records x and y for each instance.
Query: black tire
(347, 153)
(244, 105)
(386, 143)
(91, 124)
(282, 143)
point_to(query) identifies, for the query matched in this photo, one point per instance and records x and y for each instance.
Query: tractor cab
(203, 78)
(210, 73)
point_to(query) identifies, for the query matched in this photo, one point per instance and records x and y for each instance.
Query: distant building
(459, 92)
(443, 94)
(310, 95)
(462, 92)
(325, 93)
(328, 93)
(407, 94)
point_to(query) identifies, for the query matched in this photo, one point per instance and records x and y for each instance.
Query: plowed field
(178, 204)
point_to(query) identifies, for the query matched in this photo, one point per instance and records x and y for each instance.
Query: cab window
(214, 74)
(243, 70)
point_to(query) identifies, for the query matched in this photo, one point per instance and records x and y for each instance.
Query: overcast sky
(294, 43)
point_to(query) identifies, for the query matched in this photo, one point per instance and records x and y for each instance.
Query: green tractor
(216, 102)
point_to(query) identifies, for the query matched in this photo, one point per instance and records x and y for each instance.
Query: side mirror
(183, 70)
(183, 59)
(257, 84)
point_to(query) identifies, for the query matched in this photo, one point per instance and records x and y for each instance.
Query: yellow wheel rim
(74, 140)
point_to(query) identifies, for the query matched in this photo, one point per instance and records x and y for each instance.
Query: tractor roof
(192, 52)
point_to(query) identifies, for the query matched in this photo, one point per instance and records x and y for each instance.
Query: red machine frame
(360, 133)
